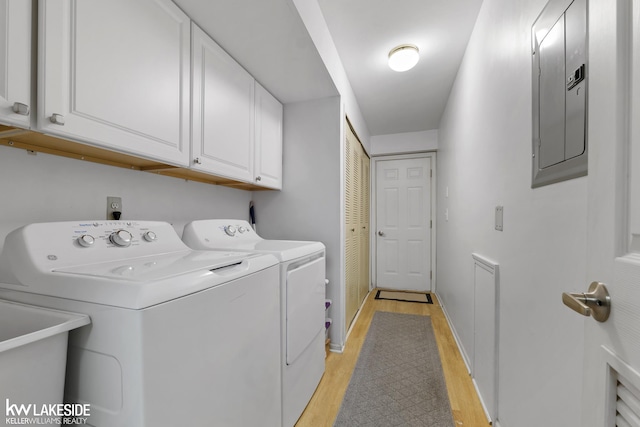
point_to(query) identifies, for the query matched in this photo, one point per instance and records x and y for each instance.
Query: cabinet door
(223, 112)
(268, 142)
(115, 74)
(15, 62)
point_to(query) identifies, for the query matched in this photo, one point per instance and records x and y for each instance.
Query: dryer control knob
(150, 236)
(121, 238)
(230, 230)
(242, 230)
(86, 240)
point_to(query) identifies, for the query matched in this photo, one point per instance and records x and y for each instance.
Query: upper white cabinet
(136, 77)
(236, 123)
(15, 62)
(268, 142)
(222, 112)
(115, 74)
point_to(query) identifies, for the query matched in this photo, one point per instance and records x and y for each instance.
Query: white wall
(42, 187)
(484, 160)
(407, 142)
(309, 207)
(329, 139)
(313, 20)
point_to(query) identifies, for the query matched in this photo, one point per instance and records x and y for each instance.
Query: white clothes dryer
(302, 293)
(178, 337)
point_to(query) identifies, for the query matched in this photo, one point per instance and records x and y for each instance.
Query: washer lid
(158, 267)
(284, 250)
(143, 282)
(212, 235)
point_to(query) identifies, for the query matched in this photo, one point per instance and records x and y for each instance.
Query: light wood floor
(325, 403)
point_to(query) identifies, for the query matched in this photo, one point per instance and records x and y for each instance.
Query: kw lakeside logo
(46, 414)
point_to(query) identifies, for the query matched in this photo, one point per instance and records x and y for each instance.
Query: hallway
(325, 404)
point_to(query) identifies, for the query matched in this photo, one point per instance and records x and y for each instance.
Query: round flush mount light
(403, 57)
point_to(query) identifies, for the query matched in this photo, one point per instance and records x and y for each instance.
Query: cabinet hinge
(431, 173)
(431, 275)
(430, 223)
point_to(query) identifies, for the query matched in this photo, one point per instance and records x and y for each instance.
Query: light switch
(499, 215)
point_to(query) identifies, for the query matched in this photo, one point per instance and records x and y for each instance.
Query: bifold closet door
(363, 282)
(351, 235)
(356, 225)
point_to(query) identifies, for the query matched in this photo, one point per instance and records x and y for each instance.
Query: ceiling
(268, 39)
(364, 32)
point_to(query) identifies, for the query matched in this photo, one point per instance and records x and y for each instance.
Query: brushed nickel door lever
(595, 302)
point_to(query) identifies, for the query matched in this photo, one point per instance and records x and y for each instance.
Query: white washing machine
(178, 337)
(302, 291)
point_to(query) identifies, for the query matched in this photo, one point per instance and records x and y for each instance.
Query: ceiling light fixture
(403, 57)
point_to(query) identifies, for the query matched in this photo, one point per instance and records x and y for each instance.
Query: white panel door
(611, 381)
(15, 62)
(116, 74)
(403, 218)
(268, 141)
(223, 112)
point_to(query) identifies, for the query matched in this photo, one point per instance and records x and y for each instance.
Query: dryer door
(305, 306)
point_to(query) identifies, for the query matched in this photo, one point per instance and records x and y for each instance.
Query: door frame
(373, 246)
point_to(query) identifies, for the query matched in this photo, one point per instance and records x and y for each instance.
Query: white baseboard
(484, 406)
(467, 363)
(465, 356)
(336, 348)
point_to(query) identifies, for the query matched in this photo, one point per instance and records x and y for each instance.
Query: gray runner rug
(398, 379)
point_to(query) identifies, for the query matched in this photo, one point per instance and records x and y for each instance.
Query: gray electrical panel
(559, 71)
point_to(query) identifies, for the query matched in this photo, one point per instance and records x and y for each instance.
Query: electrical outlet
(114, 204)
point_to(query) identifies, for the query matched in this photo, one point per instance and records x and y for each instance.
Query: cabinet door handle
(258, 178)
(20, 108)
(57, 119)
(197, 161)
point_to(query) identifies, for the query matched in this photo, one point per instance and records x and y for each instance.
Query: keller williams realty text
(46, 421)
(58, 413)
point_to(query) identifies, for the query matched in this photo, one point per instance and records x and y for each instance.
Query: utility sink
(33, 355)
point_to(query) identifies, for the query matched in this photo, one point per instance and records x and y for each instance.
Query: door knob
(595, 303)
(380, 233)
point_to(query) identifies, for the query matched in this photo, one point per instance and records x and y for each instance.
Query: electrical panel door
(559, 39)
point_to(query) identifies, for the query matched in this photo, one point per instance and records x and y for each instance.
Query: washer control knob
(242, 229)
(150, 236)
(121, 238)
(230, 230)
(86, 240)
